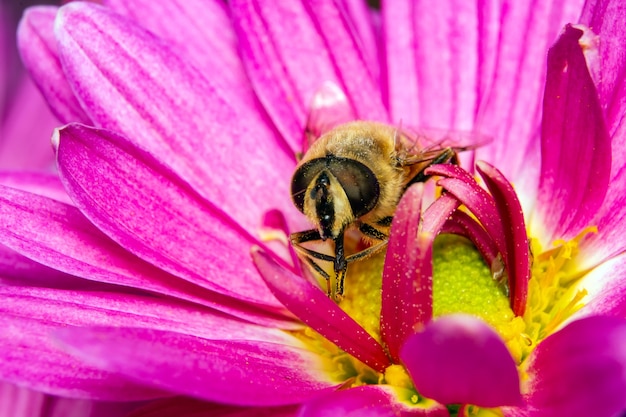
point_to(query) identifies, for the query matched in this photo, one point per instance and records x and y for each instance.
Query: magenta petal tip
(460, 359)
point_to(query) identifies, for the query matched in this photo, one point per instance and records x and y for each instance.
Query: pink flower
(139, 283)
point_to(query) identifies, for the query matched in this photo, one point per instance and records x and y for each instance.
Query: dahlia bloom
(156, 264)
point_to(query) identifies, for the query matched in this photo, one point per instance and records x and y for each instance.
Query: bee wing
(329, 108)
(419, 145)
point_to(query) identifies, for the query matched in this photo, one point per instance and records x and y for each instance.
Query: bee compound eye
(359, 183)
(301, 179)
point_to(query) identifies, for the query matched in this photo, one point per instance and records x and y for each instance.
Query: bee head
(333, 192)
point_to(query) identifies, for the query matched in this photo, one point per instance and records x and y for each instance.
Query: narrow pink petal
(609, 70)
(459, 359)
(461, 184)
(514, 39)
(188, 407)
(200, 31)
(576, 149)
(155, 215)
(26, 129)
(580, 370)
(234, 371)
(367, 401)
(363, 19)
(517, 255)
(39, 53)
(317, 310)
(29, 358)
(608, 67)
(462, 224)
(132, 82)
(406, 300)
(59, 236)
(285, 77)
(432, 62)
(606, 289)
(100, 308)
(40, 183)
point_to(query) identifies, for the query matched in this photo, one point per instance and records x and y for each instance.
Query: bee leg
(307, 236)
(446, 155)
(340, 265)
(370, 231)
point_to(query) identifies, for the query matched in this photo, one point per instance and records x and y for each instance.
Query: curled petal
(462, 224)
(407, 274)
(517, 255)
(459, 359)
(574, 179)
(580, 370)
(317, 310)
(231, 371)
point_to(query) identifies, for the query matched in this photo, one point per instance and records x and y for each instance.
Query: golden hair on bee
(352, 177)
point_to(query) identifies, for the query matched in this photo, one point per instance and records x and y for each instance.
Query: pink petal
(432, 62)
(517, 256)
(459, 359)
(155, 215)
(317, 310)
(59, 236)
(367, 401)
(38, 49)
(170, 110)
(235, 371)
(576, 150)
(28, 357)
(407, 275)
(200, 31)
(514, 39)
(26, 129)
(99, 308)
(22, 402)
(16, 269)
(607, 65)
(580, 370)
(285, 77)
(40, 183)
(188, 407)
(607, 68)
(462, 224)
(606, 289)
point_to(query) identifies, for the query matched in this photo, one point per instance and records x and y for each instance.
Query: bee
(352, 177)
